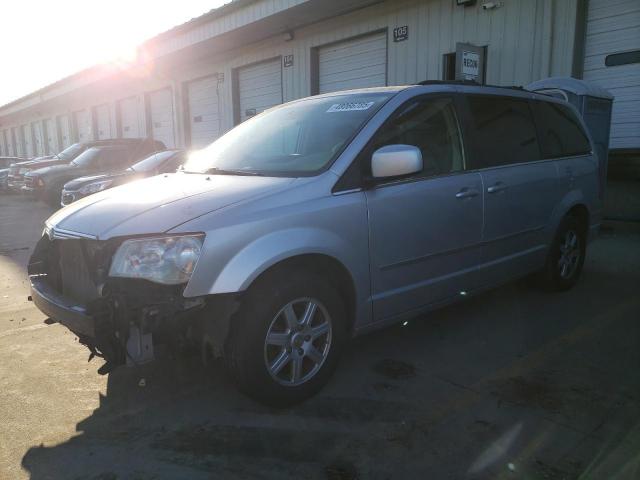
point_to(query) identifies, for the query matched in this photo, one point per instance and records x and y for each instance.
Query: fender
(264, 252)
(570, 200)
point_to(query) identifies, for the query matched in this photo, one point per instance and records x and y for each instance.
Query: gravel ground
(515, 383)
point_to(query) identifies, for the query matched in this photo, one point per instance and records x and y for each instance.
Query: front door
(424, 231)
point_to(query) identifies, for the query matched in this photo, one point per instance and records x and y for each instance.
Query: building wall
(613, 26)
(526, 40)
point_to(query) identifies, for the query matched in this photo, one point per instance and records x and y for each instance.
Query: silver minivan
(322, 219)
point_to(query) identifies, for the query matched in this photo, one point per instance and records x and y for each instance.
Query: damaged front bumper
(117, 319)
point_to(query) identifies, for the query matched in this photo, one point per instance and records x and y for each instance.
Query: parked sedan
(155, 164)
(46, 183)
(20, 167)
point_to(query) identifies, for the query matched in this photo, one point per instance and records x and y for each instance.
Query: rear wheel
(566, 256)
(285, 341)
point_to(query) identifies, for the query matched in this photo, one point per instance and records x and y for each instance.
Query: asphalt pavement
(515, 383)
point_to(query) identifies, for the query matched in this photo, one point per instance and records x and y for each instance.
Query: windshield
(152, 162)
(70, 152)
(88, 157)
(297, 139)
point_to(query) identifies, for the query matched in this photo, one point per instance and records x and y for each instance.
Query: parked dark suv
(47, 183)
(167, 161)
(19, 168)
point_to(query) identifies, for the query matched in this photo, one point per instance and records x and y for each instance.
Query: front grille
(74, 273)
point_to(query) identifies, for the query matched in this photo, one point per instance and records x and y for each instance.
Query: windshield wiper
(219, 171)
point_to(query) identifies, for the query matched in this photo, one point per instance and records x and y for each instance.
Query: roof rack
(471, 83)
(449, 82)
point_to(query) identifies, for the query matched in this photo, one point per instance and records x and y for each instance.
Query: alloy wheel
(298, 341)
(569, 254)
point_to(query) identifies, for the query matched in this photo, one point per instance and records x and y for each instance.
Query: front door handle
(467, 193)
(497, 188)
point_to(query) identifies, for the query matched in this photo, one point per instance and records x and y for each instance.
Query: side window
(561, 135)
(504, 131)
(432, 126)
(173, 163)
(112, 158)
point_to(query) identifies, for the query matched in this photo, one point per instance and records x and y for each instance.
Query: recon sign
(470, 62)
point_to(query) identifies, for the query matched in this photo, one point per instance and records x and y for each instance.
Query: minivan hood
(158, 204)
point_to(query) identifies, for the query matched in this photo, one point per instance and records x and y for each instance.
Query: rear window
(504, 131)
(561, 135)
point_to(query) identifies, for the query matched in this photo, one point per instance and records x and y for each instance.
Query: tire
(292, 365)
(566, 256)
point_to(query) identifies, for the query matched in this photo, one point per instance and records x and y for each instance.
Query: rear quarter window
(561, 134)
(504, 131)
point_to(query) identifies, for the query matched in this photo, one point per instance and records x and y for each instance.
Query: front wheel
(566, 256)
(285, 341)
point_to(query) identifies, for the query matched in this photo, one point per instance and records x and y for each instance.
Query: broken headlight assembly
(167, 260)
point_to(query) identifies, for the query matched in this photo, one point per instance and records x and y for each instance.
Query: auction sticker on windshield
(350, 107)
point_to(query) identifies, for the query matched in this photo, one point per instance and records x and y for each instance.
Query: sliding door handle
(467, 193)
(497, 188)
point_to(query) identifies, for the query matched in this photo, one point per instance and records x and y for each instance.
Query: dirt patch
(529, 392)
(394, 369)
(249, 442)
(341, 471)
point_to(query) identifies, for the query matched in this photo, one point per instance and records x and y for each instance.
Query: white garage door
(358, 63)
(161, 109)
(613, 26)
(130, 118)
(82, 121)
(50, 136)
(4, 151)
(16, 142)
(27, 140)
(38, 138)
(64, 127)
(204, 111)
(259, 88)
(103, 122)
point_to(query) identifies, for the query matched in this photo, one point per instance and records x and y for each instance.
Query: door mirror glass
(395, 161)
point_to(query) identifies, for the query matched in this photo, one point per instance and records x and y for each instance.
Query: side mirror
(395, 161)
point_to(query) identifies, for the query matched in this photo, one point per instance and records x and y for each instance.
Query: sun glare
(67, 36)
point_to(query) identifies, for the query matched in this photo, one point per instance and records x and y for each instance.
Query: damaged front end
(117, 318)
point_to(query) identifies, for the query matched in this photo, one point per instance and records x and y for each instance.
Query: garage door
(4, 151)
(130, 118)
(27, 140)
(103, 122)
(82, 121)
(16, 142)
(613, 27)
(64, 127)
(204, 111)
(259, 88)
(358, 63)
(161, 110)
(38, 138)
(51, 139)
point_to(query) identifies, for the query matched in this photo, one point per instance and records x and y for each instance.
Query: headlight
(168, 260)
(95, 187)
(22, 171)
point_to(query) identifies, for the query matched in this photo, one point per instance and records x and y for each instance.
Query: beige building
(196, 81)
